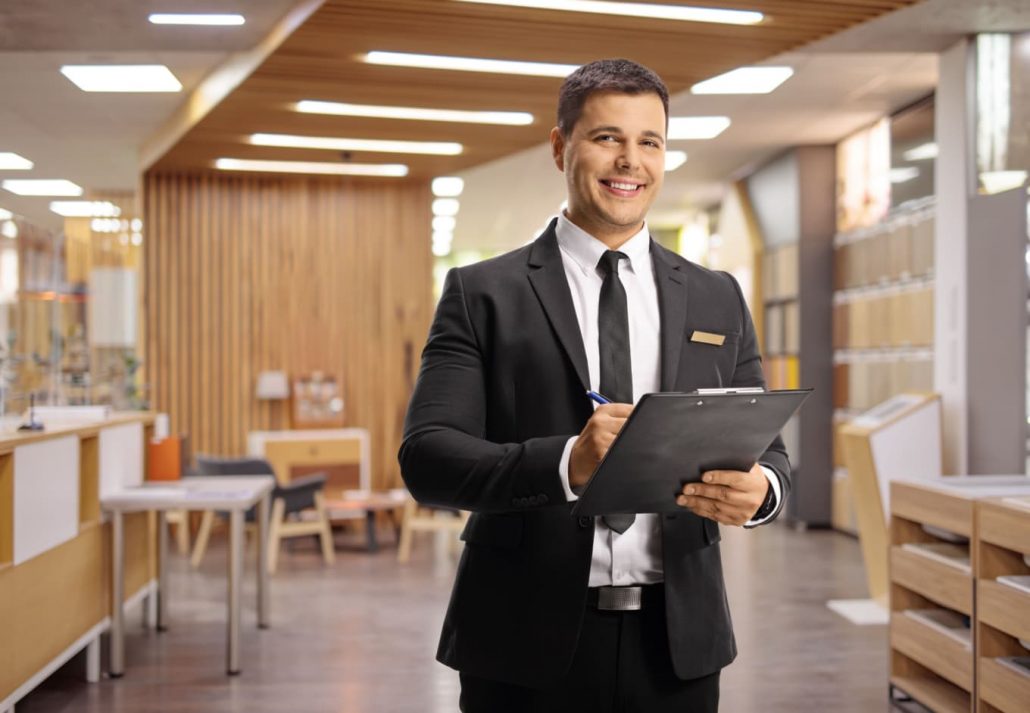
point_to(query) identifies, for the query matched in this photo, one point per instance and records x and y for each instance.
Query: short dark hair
(605, 75)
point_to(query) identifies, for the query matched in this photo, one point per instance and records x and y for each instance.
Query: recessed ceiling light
(632, 9)
(5, 214)
(13, 162)
(444, 223)
(903, 174)
(674, 159)
(921, 152)
(470, 64)
(697, 127)
(85, 209)
(393, 170)
(436, 148)
(41, 187)
(505, 118)
(446, 206)
(744, 80)
(999, 181)
(122, 77)
(448, 186)
(186, 19)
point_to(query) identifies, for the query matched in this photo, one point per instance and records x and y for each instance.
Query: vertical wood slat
(246, 274)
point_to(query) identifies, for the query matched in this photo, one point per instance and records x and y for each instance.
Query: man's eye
(606, 137)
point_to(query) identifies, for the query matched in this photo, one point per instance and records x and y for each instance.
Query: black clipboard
(670, 439)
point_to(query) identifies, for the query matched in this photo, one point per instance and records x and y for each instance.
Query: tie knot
(609, 262)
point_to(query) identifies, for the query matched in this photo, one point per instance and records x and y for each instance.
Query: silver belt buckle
(619, 598)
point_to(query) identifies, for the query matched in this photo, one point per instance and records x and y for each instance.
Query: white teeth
(624, 186)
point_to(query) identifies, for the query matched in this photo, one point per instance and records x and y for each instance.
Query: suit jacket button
(542, 499)
(515, 502)
(532, 499)
(523, 502)
(585, 521)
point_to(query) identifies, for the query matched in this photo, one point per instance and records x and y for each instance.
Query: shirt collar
(586, 250)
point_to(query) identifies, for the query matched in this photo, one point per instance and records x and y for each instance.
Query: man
(551, 612)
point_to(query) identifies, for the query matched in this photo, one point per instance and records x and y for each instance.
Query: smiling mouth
(622, 188)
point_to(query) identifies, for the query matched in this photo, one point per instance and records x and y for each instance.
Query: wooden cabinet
(1003, 605)
(344, 453)
(954, 625)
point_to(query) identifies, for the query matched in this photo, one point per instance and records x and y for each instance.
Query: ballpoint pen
(599, 398)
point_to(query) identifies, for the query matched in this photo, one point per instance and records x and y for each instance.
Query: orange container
(164, 458)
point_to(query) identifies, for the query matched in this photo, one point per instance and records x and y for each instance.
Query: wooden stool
(418, 518)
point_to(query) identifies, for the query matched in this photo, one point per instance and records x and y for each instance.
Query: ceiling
(842, 81)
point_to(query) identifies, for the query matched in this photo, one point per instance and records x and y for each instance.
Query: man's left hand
(730, 497)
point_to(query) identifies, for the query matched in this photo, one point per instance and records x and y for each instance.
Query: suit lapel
(547, 275)
(672, 307)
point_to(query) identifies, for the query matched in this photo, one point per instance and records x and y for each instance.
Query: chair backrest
(210, 465)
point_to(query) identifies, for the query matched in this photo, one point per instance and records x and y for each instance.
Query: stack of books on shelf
(782, 346)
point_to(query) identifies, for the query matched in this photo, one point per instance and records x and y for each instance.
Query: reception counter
(55, 563)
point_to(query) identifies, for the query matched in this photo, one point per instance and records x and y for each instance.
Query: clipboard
(671, 439)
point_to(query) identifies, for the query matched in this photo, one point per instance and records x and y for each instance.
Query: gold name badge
(708, 338)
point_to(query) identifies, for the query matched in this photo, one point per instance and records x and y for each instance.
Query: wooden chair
(417, 518)
(299, 496)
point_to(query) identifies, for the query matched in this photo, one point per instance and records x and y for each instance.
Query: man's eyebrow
(605, 129)
(656, 135)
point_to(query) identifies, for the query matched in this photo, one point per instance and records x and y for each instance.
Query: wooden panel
(283, 455)
(935, 693)
(89, 480)
(1004, 607)
(39, 617)
(935, 650)
(943, 584)
(1006, 526)
(6, 509)
(1004, 688)
(951, 511)
(322, 59)
(246, 274)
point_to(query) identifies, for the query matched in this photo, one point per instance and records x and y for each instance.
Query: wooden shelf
(945, 584)
(937, 695)
(939, 652)
(1003, 687)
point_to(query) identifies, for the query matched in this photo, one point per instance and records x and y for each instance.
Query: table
(369, 502)
(235, 494)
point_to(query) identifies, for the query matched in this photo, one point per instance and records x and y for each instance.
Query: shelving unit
(883, 322)
(1003, 605)
(936, 548)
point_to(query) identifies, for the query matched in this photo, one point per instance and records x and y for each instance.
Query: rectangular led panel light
(505, 118)
(41, 187)
(628, 9)
(745, 80)
(158, 18)
(85, 209)
(470, 64)
(13, 162)
(923, 152)
(697, 127)
(674, 159)
(393, 170)
(436, 148)
(122, 77)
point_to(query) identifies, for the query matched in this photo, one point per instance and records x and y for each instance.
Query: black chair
(300, 495)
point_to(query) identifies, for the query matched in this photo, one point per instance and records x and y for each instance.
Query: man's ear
(558, 148)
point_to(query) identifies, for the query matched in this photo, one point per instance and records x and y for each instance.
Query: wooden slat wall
(246, 274)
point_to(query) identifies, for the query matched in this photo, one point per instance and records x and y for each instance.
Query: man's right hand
(595, 440)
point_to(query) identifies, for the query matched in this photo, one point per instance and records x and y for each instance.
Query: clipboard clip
(739, 390)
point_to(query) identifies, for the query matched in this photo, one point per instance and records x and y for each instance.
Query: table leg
(93, 660)
(117, 595)
(264, 505)
(370, 526)
(162, 570)
(235, 577)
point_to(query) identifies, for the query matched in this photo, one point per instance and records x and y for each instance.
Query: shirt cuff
(563, 470)
(774, 483)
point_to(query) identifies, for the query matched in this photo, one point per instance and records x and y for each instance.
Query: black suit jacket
(500, 392)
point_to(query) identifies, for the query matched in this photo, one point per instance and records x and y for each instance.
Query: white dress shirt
(635, 556)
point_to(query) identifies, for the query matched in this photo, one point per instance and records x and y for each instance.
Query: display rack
(883, 322)
(936, 529)
(1002, 568)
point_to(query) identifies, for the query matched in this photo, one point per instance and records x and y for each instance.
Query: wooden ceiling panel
(322, 60)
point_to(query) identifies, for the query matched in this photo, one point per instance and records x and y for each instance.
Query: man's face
(614, 163)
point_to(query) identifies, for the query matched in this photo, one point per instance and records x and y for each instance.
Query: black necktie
(613, 345)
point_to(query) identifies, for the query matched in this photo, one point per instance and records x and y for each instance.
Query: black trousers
(621, 665)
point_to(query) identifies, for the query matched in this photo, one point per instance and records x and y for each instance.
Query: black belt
(626, 598)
